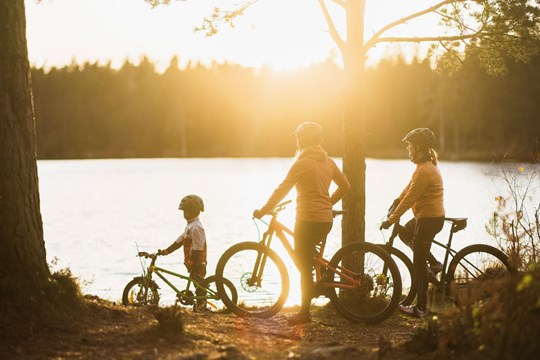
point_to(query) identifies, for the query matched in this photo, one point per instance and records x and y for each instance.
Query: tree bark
(22, 249)
(354, 133)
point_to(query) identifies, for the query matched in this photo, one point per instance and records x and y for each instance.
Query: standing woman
(424, 194)
(311, 174)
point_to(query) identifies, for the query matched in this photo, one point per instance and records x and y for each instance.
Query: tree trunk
(23, 262)
(354, 133)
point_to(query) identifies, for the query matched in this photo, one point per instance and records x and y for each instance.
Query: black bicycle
(461, 271)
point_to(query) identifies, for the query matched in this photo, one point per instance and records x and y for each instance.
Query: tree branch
(332, 28)
(339, 2)
(376, 37)
(429, 38)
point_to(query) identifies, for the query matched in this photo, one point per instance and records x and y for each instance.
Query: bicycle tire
(216, 305)
(406, 270)
(261, 300)
(140, 291)
(378, 295)
(468, 270)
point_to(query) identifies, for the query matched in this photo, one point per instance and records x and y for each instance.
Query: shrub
(505, 326)
(170, 320)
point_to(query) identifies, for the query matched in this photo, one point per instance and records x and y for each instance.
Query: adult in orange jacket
(311, 174)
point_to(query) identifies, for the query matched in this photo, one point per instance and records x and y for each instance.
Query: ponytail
(433, 155)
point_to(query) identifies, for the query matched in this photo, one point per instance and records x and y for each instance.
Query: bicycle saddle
(457, 223)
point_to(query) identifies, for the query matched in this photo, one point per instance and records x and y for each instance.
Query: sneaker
(412, 310)
(200, 308)
(300, 318)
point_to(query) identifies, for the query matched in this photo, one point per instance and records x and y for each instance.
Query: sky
(282, 34)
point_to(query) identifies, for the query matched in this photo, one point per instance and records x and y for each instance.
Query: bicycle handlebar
(146, 255)
(281, 206)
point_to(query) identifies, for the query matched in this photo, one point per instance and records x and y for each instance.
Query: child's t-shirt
(193, 239)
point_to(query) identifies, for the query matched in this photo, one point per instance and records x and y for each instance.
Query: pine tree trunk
(354, 158)
(23, 262)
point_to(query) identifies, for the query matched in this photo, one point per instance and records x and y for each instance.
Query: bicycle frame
(449, 252)
(281, 231)
(153, 269)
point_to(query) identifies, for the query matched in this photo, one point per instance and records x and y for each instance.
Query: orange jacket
(424, 194)
(311, 174)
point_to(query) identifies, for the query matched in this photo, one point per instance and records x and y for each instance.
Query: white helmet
(191, 203)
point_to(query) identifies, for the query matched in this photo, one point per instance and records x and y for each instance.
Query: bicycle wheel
(259, 277)
(215, 304)
(406, 270)
(472, 267)
(140, 291)
(376, 295)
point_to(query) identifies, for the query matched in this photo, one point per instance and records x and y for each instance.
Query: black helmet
(420, 136)
(191, 203)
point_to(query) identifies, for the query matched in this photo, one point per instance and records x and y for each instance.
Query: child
(194, 241)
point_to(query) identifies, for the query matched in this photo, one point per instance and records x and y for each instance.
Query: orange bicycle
(353, 279)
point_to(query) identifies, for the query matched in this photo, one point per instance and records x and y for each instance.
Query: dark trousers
(197, 273)
(307, 235)
(424, 233)
(406, 234)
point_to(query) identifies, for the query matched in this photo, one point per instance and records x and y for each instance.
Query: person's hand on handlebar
(257, 214)
(385, 225)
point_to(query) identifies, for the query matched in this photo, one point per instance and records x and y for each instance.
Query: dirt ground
(112, 331)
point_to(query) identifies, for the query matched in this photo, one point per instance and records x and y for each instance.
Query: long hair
(434, 156)
(424, 154)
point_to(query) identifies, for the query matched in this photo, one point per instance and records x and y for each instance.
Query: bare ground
(110, 331)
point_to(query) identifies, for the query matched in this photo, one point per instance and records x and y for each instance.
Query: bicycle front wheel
(406, 271)
(472, 267)
(140, 291)
(259, 276)
(375, 292)
(215, 302)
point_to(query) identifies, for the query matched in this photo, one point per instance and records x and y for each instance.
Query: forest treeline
(224, 110)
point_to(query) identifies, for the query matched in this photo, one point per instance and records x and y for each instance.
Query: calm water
(98, 213)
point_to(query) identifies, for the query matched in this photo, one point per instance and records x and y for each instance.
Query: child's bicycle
(143, 290)
(462, 270)
(353, 279)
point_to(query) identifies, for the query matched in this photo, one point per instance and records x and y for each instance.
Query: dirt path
(110, 331)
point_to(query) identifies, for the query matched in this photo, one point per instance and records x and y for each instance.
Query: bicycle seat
(457, 223)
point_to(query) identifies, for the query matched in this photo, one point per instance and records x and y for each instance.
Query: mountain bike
(352, 279)
(143, 290)
(461, 271)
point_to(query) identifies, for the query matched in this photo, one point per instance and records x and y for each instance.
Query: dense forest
(224, 110)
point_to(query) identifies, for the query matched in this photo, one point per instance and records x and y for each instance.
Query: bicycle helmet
(191, 203)
(420, 136)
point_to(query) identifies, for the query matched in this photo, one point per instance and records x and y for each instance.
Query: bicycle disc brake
(185, 297)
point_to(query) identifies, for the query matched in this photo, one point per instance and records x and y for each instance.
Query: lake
(98, 213)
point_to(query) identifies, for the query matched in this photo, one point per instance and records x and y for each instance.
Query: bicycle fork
(260, 262)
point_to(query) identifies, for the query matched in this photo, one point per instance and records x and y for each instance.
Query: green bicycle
(143, 290)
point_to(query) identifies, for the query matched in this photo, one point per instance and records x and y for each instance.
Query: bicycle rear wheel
(473, 268)
(215, 303)
(140, 291)
(259, 276)
(376, 295)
